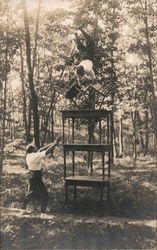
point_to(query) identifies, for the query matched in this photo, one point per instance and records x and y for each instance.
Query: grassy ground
(128, 221)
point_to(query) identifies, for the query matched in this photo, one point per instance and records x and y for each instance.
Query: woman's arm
(52, 146)
(45, 147)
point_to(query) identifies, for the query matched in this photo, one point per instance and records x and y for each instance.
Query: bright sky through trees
(32, 5)
(49, 4)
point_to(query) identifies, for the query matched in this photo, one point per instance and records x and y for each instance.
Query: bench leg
(74, 192)
(101, 194)
(66, 193)
(108, 191)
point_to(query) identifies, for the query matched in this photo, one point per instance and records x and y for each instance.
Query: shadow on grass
(128, 201)
(34, 234)
(96, 237)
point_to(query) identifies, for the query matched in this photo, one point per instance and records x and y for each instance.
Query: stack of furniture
(102, 120)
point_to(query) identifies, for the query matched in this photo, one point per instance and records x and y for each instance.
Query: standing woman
(35, 162)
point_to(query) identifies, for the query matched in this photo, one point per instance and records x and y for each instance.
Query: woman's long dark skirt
(37, 191)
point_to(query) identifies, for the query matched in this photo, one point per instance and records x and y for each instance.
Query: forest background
(37, 54)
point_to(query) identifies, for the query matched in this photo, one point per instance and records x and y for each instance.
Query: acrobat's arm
(91, 74)
(80, 45)
(88, 37)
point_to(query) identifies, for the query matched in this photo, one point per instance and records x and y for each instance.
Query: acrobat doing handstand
(87, 51)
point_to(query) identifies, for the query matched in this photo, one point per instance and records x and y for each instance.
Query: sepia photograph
(78, 124)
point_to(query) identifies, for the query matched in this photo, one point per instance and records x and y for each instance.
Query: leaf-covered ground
(127, 221)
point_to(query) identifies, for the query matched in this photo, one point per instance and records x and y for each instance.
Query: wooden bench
(87, 181)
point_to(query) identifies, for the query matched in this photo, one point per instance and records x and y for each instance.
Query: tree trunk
(5, 95)
(115, 145)
(47, 117)
(140, 129)
(91, 125)
(34, 97)
(149, 53)
(23, 93)
(36, 36)
(146, 133)
(120, 138)
(52, 126)
(9, 123)
(28, 132)
(13, 122)
(1, 106)
(134, 136)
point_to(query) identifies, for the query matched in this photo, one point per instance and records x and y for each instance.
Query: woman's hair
(31, 148)
(80, 70)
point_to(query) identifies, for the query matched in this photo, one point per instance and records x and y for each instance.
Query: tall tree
(147, 10)
(144, 13)
(5, 88)
(23, 93)
(31, 65)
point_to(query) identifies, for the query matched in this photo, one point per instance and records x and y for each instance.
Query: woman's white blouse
(35, 161)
